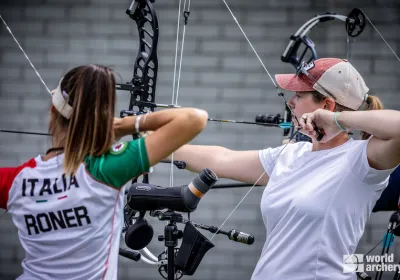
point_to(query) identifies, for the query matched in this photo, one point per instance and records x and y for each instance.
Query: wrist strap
(137, 123)
(337, 123)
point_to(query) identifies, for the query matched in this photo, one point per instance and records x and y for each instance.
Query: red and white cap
(332, 77)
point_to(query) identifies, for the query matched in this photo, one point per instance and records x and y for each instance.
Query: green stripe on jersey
(121, 164)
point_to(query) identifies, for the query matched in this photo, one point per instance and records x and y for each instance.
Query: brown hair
(372, 103)
(89, 131)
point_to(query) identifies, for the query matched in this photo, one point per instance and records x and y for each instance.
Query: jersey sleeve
(7, 176)
(268, 158)
(121, 164)
(359, 166)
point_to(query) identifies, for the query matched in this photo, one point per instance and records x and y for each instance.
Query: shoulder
(120, 150)
(123, 162)
(357, 159)
(10, 173)
(7, 178)
(285, 153)
(358, 144)
(298, 146)
(288, 149)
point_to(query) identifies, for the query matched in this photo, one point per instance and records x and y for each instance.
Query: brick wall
(220, 74)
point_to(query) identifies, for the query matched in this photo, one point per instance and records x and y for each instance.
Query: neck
(57, 147)
(338, 140)
(59, 139)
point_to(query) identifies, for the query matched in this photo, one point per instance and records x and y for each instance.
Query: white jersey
(70, 227)
(315, 207)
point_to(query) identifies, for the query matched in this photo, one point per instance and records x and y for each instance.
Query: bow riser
(146, 63)
(143, 84)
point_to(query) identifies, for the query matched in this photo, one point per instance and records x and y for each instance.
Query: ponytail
(89, 131)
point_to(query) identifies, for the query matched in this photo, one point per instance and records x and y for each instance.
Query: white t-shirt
(315, 207)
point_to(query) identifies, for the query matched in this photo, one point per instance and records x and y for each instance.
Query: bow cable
(176, 83)
(387, 44)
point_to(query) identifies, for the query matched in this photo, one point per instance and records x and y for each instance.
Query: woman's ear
(329, 104)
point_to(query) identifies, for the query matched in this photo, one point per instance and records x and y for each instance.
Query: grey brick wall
(220, 74)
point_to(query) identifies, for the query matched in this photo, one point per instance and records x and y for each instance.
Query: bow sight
(354, 23)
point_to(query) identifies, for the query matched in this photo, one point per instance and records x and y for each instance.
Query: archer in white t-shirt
(318, 195)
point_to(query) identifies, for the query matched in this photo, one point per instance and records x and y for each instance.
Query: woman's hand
(322, 119)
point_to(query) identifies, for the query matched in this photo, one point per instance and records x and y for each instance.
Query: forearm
(383, 124)
(150, 122)
(198, 157)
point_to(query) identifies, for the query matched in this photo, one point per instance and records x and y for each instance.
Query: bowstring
(279, 93)
(27, 57)
(182, 48)
(176, 83)
(387, 44)
(244, 197)
(171, 173)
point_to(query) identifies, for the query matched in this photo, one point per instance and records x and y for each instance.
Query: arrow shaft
(245, 122)
(25, 132)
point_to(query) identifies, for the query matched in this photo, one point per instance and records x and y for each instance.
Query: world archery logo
(353, 263)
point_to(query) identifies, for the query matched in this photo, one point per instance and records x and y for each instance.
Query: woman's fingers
(306, 123)
(309, 123)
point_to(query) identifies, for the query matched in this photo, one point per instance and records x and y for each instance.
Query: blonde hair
(89, 131)
(372, 103)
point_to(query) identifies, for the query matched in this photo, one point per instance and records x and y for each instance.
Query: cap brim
(292, 82)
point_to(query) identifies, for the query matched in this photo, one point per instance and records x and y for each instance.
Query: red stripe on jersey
(7, 176)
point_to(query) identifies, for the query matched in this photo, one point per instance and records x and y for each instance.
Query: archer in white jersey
(318, 196)
(70, 226)
(68, 204)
